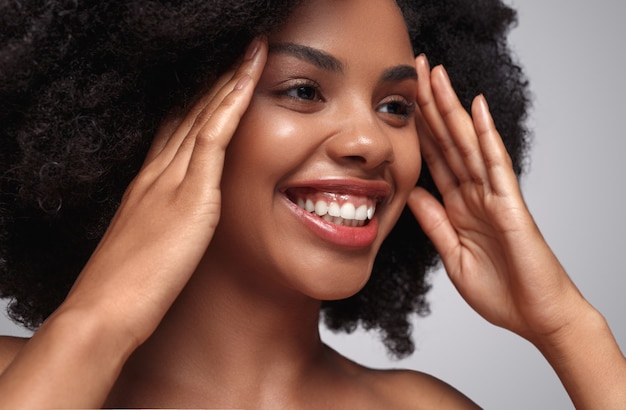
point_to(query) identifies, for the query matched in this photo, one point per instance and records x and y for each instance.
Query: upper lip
(380, 191)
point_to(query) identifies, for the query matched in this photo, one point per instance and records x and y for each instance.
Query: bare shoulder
(9, 347)
(413, 389)
(400, 389)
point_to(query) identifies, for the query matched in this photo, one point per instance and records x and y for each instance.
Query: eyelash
(292, 89)
(406, 109)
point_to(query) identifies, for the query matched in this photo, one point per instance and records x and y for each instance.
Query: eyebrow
(328, 62)
(314, 56)
(399, 73)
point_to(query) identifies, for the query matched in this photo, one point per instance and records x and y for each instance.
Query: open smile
(337, 208)
(340, 212)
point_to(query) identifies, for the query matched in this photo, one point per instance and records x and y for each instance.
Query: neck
(226, 337)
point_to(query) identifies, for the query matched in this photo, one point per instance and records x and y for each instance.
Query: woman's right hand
(153, 245)
(170, 211)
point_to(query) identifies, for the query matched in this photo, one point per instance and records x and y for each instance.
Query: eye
(302, 90)
(397, 106)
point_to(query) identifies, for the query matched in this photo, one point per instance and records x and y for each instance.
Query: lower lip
(345, 236)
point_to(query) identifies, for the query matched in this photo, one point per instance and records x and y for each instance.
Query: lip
(343, 236)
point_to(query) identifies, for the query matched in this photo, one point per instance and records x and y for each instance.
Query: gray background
(576, 187)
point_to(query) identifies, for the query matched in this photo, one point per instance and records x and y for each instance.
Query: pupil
(306, 93)
(393, 108)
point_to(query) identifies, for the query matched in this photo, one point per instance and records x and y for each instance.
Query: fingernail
(252, 49)
(425, 59)
(444, 74)
(482, 102)
(242, 82)
(422, 59)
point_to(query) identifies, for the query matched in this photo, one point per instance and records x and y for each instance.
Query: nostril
(356, 158)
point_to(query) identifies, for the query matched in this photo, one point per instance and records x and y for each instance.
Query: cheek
(408, 162)
(406, 170)
(271, 140)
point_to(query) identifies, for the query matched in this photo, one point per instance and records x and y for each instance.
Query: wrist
(72, 361)
(588, 360)
(88, 328)
(574, 320)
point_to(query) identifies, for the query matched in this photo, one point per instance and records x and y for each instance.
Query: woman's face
(327, 153)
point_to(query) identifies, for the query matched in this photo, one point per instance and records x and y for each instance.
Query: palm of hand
(489, 243)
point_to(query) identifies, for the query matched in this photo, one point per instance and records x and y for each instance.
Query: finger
(497, 160)
(431, 112)
(164, 133)
(433, 219)
(460, 137)
(442, 175)
(175, 127)
(212, 139)
(176, 130)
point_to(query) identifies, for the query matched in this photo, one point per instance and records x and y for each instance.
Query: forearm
(72, 361)
(588, 361)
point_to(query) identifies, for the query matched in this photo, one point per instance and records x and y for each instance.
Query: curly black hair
(84, 86)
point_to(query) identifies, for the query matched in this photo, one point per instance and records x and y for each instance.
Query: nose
(361, 140)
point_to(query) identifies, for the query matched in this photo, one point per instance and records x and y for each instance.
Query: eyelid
(405, 113)
(409, 106)
(292, 84)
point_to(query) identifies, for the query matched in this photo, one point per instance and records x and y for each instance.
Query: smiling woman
(207, 202)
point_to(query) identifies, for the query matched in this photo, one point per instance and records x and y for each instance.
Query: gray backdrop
(572, 52)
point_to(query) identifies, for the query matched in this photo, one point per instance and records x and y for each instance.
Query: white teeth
(348, 211)
(361, 213)
(346, 214)
(309, 206)
(338, 220)
(333, 209)
(321, 208)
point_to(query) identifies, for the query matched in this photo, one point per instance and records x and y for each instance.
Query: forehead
(373, 29)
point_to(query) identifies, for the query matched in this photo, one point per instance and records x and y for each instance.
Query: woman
(176, 309)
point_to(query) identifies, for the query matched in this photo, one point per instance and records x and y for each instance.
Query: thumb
(433, 218)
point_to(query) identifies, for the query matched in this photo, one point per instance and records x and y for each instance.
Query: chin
(340, 284)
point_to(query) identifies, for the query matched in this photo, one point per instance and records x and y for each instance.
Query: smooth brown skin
(187, 312)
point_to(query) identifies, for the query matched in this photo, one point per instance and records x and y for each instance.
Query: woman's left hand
(493, 251)
(488, 241)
